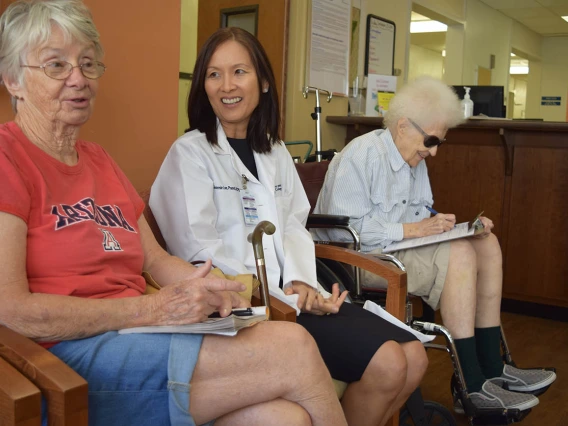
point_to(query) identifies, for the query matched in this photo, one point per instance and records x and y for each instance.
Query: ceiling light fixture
(427, 27)
(519, 70)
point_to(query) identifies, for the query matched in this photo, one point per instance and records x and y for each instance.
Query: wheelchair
(420, 412)
(417, 411)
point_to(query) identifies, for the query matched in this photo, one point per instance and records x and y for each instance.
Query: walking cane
(264, 227)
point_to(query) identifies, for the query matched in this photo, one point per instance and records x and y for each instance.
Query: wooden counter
(517, 172)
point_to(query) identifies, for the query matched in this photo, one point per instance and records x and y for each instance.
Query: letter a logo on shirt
(109, 242)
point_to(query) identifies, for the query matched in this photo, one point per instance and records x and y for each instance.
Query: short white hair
(427, 101)
(27, 24)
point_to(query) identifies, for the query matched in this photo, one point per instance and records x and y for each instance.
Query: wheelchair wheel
(326, 278)
(434, 415)
(344, 273)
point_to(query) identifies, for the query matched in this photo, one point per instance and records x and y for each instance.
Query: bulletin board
(379, 48)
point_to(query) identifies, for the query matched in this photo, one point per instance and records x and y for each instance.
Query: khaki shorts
(426, 268)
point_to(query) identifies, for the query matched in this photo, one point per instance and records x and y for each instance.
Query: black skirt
(349, 339)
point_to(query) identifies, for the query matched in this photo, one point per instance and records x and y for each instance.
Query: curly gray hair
(427, 101)
(27, 24)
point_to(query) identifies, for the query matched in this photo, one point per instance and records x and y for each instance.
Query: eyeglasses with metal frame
(60, 70)
(430, 141)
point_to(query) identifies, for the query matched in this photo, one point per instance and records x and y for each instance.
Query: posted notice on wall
(380, 90)
(329, 46)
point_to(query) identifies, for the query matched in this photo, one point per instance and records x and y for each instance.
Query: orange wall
(135, 116)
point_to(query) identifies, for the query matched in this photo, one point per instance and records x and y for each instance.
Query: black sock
(467, 355)
(488, 341)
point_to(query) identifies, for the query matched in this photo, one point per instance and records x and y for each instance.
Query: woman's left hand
(310, 301)
(487, 227)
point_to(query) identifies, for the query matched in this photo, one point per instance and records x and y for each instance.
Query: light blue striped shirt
(370, 182)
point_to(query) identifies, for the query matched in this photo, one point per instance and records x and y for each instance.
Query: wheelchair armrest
(325, 220)
(64, 390)
(20, 400)
(395, 277)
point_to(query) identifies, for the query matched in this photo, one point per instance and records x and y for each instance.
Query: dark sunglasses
(430, 141)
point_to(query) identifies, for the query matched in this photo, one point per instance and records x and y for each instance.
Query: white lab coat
(196, 200)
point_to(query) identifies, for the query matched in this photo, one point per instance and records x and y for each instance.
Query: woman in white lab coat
(231, 171)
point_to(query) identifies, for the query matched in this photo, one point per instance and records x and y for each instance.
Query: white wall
(424, 62)
(519, 87)
(299, 124)
(487, 32)
(187, 56)
(554, 81)
(526, 42)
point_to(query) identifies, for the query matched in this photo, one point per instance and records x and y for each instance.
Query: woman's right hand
(192, 300)
(435, 224)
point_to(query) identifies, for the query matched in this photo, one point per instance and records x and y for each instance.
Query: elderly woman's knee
(288, 337)
(388, 368)
(463, 252)
(416, 357)
(489, 247)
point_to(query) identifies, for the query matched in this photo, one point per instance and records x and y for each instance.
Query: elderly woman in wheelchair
(73, 245)
(380, 181)
(231, 171)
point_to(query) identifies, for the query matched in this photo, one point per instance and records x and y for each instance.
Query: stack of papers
(228, 326)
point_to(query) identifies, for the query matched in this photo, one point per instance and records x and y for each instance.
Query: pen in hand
(431, 210)
(434, 212)
(240, 312)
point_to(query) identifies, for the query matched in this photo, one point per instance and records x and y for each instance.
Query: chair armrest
(64, 390)
(20, 400)
(396, 279)
(280, 310)
(325, 220)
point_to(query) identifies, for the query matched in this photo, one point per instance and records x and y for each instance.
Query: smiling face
(410, 142)
(231, 84)
(67, 102)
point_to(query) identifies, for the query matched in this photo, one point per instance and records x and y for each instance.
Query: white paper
(377, 83)
(461, 230)
(378, 310)
(228, 326)
(329, 45)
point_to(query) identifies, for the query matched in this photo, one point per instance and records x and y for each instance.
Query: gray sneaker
(493, 396)
(524, 380)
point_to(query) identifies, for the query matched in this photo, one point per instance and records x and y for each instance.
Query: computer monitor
(488, 100)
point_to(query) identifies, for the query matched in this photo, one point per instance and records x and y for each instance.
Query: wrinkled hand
(436, 224)
(310, 301)
(487, 227)
(195, 298)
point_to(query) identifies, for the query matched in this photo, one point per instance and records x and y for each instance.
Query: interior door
(268, 18)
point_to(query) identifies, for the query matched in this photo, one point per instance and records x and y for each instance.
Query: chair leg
(393, 421)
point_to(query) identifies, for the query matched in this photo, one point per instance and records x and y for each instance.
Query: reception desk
(517, 173)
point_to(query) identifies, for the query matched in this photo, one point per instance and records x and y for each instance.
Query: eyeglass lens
(62, 69)
(431, 141)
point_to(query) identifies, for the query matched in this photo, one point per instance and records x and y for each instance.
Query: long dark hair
(264, 126)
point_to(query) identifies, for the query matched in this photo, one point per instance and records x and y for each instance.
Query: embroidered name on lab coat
(227, 188)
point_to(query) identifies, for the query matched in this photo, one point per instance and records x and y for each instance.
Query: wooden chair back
(145, 194)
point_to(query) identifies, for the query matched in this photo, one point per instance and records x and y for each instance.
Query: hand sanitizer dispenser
(467, 104)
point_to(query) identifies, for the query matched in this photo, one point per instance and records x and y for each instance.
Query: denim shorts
(135, 379)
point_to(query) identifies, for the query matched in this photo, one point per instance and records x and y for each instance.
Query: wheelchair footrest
(499, 416)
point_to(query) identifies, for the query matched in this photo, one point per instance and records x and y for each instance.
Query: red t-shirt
(83, 238)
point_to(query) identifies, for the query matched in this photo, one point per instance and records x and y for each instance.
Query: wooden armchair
(26, 369)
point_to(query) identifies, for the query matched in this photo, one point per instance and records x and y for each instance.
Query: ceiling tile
(549, 3)
(559, 10)
(529, 13)
(510, 4)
